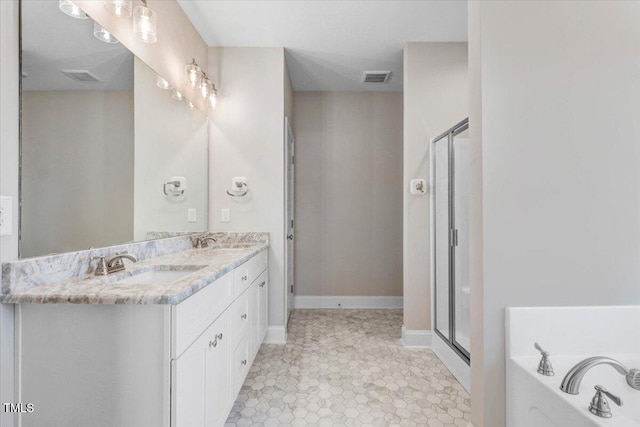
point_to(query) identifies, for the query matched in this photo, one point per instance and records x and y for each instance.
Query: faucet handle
(544, 367)
(101, 267)
(599, 405)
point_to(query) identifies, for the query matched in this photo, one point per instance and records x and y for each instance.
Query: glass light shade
(145, 24)
(206, 87)
(71, 9)
(103, 35)
(119, 7)
(194, 74)
(162, 83)
(213, 98)
(177, 95)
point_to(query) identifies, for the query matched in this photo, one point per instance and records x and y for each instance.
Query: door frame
(289, 219)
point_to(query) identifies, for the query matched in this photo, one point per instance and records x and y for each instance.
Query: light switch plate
(192, 215)
(224, 215)
(6, 219)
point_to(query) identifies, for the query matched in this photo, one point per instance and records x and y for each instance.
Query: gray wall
(348, 193)
(9, 161)
(560, 88)
(77, 169)
(436, 97)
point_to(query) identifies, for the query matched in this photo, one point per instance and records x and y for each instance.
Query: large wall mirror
(107, 155)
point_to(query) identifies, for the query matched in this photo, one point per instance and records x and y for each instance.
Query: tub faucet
(571, 381)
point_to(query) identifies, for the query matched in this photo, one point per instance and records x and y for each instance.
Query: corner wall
(9, 161)
(246, 137)
(557, 96)
(436, 97)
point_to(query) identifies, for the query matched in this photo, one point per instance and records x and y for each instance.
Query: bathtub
(570, 334)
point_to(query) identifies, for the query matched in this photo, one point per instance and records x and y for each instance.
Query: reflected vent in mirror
(376, 76)
(82, 76)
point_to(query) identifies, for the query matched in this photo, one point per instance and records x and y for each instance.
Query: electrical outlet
(5, 216)
(224, 215)
(192, 215)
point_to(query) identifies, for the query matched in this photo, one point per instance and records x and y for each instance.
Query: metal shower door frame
(452, 238)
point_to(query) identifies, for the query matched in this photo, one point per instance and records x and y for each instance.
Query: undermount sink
(159, 275)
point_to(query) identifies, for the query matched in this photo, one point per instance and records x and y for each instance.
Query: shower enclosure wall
(450, 244)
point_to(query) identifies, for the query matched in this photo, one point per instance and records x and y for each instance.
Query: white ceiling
(329, 44)
(53, 41)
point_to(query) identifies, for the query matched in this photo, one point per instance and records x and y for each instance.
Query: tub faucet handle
(544, 367)
(599, 405)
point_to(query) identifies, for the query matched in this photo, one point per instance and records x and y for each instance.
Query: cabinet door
(219, 387)
(263, 307)
(188, 387)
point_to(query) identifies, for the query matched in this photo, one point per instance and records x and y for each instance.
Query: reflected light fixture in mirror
(162, 83)
(103, 35)
(205, 87)
(194, 74)
(177, 95)
(71, 9)
(145, 23)
(119, 7)
(213, 98)
(190, 105)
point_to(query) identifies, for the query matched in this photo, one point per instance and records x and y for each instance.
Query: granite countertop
(208, 264)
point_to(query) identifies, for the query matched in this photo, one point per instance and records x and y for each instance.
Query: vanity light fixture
(190, 105)
(177, 95)
(162, 83)
(71, 9)
(103, 35)
(119, 7)
(145, 23)
(194, 74)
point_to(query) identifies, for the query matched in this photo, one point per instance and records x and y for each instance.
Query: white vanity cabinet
(132, 365)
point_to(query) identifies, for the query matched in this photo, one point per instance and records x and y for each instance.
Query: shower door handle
(454, 237)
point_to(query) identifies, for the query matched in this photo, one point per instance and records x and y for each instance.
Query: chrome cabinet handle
(262, 284)
(244, 362)
(219, 336)
(244, 316)
(213, 343)
(245, 278)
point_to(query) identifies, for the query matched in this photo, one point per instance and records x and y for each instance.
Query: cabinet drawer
(241, 363)
(193, 315)
(242, 317)
(246, 273)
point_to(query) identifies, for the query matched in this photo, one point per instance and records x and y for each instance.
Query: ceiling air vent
(82, 76)
(376, 77)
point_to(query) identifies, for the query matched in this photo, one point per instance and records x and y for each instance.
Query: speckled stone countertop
(205, 266)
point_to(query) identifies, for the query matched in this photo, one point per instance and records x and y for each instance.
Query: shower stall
(450, 249)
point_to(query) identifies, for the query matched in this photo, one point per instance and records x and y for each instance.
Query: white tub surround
(168, 355)
(570, 335)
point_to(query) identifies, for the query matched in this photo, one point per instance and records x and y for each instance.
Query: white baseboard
(304, 301)
(453, 362)
(276, 335)
(416, 338)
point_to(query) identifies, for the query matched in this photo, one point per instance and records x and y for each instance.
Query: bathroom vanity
(167, 342)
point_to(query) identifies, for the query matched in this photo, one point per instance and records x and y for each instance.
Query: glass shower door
(450, 214)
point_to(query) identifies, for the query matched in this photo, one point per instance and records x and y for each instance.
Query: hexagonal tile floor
(348, 368)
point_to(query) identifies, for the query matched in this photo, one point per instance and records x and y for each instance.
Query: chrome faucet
(571, 381)
(600, 405)
(113, 264)
(203, 242)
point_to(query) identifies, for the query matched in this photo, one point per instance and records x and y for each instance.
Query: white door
(290, 223)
